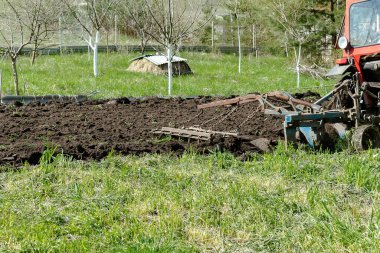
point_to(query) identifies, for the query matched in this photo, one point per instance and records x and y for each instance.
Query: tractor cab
(364, 24)
(360, 40)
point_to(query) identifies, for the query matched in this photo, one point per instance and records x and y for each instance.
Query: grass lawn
(214, 75)
(285, 201)
(288, 201)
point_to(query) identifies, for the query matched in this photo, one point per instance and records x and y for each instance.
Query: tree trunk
(170, 69)
(34, 53)
(232, 29)
(116, 30)
(95, 48)
(1, 84)
(212, 36)
(60, 35)
(286, 44)
(15, 75)
(143, 44)
(35, 45)
(107, 35)
(143, 47)
(334, 36)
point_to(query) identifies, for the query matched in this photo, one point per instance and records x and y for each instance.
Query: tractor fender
(339, 70)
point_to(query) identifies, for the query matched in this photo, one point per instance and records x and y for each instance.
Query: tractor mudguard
(339, 70)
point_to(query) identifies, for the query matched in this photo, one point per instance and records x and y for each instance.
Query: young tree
(288, 13)
(138, 19)
(92, 17)
(235, 6)
(23, 23)
(48, 25)
(173, 21)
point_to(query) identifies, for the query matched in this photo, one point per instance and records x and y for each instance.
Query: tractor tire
(366, 137)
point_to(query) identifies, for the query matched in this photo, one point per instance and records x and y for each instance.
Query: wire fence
(135, 49)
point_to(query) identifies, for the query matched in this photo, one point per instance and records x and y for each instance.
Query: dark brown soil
(92, 129)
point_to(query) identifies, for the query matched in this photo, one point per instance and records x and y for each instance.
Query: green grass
(288, 201)
(285, 201)
(214, 75)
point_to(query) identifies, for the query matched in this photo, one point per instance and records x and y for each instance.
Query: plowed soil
(92, 129)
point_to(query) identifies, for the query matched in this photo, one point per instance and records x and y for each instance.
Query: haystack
(158, 64)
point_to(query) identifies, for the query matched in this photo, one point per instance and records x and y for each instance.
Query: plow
(351, 110)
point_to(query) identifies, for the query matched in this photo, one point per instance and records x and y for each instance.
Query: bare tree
(92, 16)
(23, 23)
(173, 21)
(47, 25)
(139, 20)
(288, 13)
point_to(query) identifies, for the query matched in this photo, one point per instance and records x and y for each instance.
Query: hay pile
(146, 66)
(143, 65)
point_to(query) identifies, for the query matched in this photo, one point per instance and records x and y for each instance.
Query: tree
(48, 24)
(23, 23)
(138, 19)
(235, 5)
(288, 14)
(173, 21)
(92, 17)
(324, 18)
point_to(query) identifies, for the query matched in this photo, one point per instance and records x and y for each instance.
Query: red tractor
(354, 104)
(352, 109)
(358, 92)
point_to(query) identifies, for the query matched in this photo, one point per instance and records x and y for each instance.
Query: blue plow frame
(311, 125)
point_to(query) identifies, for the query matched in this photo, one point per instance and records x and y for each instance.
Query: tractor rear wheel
(366, 137)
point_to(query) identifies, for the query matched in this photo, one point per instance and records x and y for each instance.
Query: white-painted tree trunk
(212, 35)
(253, 37)
(60, 35)
(170, 69)
(116, 30)
(1, 84)
(240, 53)
(95, 49)
(298, 67)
